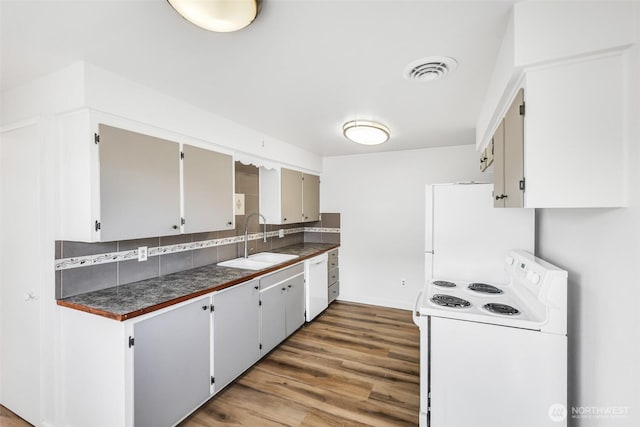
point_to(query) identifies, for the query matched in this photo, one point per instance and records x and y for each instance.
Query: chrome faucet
(246, 230)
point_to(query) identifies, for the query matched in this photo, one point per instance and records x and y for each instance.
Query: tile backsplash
(84, 267)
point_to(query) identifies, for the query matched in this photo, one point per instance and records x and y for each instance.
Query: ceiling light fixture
(365, 132)
(222, 16)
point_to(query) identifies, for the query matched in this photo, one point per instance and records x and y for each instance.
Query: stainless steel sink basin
(258, 261)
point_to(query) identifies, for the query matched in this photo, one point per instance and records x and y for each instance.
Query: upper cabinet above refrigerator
(567, 100)
(508, 157)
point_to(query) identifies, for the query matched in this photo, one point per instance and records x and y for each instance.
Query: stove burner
(504, 309)
(444, 284)
(449, 301)
(483, 288)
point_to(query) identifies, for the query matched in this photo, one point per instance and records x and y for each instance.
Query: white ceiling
(300, 71)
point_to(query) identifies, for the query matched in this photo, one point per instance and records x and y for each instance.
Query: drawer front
(334, 292)
(334, 276)
(281, 275)
(333, 259)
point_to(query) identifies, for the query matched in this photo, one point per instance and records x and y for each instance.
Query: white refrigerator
(467, 238)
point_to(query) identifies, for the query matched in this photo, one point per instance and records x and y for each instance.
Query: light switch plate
(142, 253)
(239, 204)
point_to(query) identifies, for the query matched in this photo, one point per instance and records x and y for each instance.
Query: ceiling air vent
(428, 69)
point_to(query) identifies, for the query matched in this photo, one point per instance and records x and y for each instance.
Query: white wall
(601, 250)
(381, 201)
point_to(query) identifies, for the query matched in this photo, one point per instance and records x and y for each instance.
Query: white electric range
(495, 354)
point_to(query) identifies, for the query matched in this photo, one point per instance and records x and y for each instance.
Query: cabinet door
(310, 197)
(208, 190)
(514, 153)
(291, 196)
(294, 300)
(139, 185)
(498, 167)
(171, 364)
(236, 332)
(272, 317)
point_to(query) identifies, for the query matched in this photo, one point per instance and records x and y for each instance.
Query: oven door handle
(416, 314)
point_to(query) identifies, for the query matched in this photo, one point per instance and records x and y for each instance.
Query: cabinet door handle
(175, 227)
(229, 223)
(284, 219)
(502, 196)
(289, 286)
(205, 307)
(256, 287)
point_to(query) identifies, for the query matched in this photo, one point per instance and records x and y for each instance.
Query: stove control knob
(535, 278)
(509, 260)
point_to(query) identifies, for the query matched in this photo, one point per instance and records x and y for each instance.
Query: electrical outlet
(403, 283)
(142, 253)
(281, 233)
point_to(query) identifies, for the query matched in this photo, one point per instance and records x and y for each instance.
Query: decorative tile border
(85, 261)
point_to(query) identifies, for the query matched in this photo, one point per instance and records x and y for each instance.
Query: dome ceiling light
(221, 16)
(366, 132)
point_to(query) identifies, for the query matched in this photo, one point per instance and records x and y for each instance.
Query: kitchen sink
(258, 261)
(272, 257)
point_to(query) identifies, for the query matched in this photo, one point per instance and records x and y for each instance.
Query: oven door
(488, 375)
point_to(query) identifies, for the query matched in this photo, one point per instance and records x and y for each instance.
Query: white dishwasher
(316, 292)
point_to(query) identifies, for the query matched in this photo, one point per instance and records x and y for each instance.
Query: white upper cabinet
(576, 130)
(208, 190)
(288, 196)
(576, 134)
(119, 184)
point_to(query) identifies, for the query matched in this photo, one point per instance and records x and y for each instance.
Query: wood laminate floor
(9, 419)
(354, 365)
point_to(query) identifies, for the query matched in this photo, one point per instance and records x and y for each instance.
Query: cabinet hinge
(213, 380)
(521, 184)
(96, 138)
(131, 341)
(212, 308)
(522, 109)
(182, 221)
(97, 226)
(260, 303)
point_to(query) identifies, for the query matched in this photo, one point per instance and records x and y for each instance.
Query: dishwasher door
(315, 286)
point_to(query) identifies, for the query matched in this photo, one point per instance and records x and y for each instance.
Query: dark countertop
(138, 298)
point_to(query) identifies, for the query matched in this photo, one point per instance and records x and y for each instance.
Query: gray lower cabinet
(236, 331)
(294, 304)
(281, 306)
(272, 318)
(333, 272)
(171, 364)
